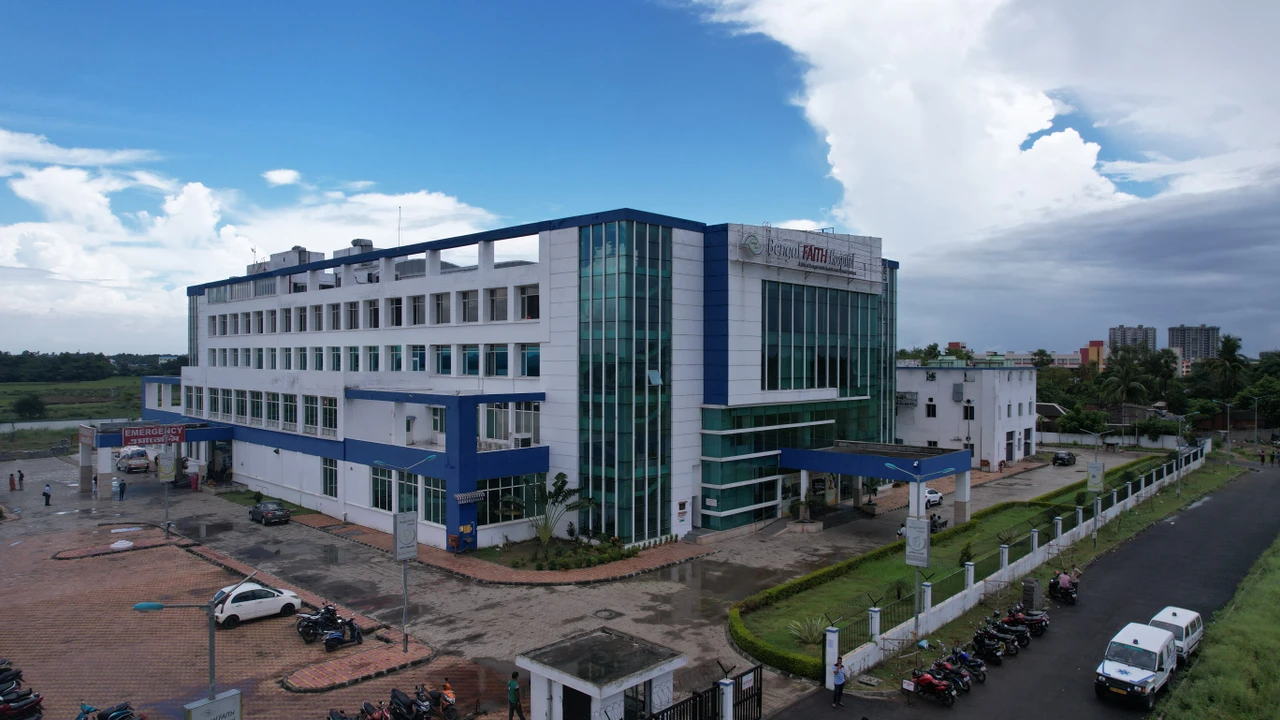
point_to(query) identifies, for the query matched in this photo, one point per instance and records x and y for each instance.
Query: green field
(110, 397)
(38, 440)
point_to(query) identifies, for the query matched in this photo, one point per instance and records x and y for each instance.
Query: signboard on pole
(917, 536)
(87, 435)
(223, 706)
(153, 435)
(406, 536)
(165, 467)
(1096, 470)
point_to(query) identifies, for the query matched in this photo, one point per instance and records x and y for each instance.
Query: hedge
(810, 667)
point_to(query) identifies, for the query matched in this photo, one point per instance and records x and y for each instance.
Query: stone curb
(290, 687)
(179, 541)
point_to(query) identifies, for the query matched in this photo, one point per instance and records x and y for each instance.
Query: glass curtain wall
(817, 337)
(888, 352)
(624, 366)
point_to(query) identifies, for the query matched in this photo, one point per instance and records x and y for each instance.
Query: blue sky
(531, 110)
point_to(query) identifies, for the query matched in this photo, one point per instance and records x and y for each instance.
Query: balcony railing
(329, 432)
(289, 427)
(308, 429)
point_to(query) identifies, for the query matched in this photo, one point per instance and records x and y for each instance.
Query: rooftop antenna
(254, 250)
(399, 215)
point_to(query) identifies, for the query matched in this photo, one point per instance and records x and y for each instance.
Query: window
(968, 412)
(287, 354)
(1008, 411)
(255, 407)
(199, 398)
(1019, 409)
(497, 301)
(273, 409)
(931, 376)
(438, 419)
(222, 324)
(418, 310)
(395, 312)
(301, 320)
(186, 400)
(816, 337)
(433, 500)
(418, 358)
(213, 325)
(289, 412)
(530, 363)
(271, 358)
(246, 358)
(329, 416)
(932, 443)
(235, 357)
(470, 359)
(930, 410)
(381, 490)
(258, 322)
(528, 302)
(528, 424)
(335, 316)
(317, 358)
(222, 357)
(258, 358)
(353, 358)
(394, 363)
(335, 359)
(301, 354)
(495, 360)
(469, 306)
(242, 405)
(492, 509)
(271, 321)
(317, 318)
(235, 323)
(286, 318)
(329, 477)
(227, 411)
(213, 357)
(246, 323)
(353, 316)
(310, 414)
(371, 358)
(371, 314)
(444, 360)
(406, 492)
(440, 305)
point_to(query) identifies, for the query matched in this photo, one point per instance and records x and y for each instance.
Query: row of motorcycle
(327, 625)
(995, 638)
(421, 706)
(19, 703)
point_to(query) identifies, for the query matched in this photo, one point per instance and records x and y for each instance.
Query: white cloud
(282, 176)
(89, 277)
(358, 185)
(801, 224)
(26, 147)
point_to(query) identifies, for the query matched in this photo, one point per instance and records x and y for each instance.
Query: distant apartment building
(1141, 335)
(1094, 354)
(1027, 359)
(1196, 343)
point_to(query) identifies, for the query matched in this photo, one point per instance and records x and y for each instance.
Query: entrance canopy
(901, 463)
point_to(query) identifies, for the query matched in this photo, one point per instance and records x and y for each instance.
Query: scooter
(989, 649)
(20, 708)
(123, 711)
(337, 638)
(931, 686)
(369, 712)
(11, 674)
(1067, 595)
(977, 669)
(1009, 640)
(442, 700)
(314, 627)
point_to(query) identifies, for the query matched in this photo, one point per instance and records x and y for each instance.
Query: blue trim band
(870, 465)
(161, 380)
(715, 316)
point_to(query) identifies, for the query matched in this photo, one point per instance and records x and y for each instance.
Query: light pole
(1228, 405)
(1097, 436)
(1255, 399)
(209, 609)
(404, 564)
(919, 479)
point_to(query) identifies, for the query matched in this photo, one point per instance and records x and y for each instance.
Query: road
(1193, 559)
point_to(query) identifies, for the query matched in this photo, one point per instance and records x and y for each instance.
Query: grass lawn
(248, 499)
(38, 439)
(1146, 465)
(1234, 675)
(522, 551)
(109, 397)
(1166, 502)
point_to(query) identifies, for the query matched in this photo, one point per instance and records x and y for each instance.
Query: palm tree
(1125, 383)
(1162, 366)
(553, 503)
(1228, 368)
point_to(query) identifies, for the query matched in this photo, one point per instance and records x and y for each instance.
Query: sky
(1042, 169)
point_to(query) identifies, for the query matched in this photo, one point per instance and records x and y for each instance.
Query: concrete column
(1129, 488)
(486, 256)
(1057, 528)
(961, 506)
(86, 468)
(726, 699)
(1079, 516)
(433, 264)
(926, 596)
(1097, 507)
(832, 651)
(511, 407)
(804, 495)
(968, 575)
(1004, 556)
(1035, 539)
(873, 623)
(1114, 499)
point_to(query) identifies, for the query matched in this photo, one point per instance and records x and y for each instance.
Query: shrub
(553, 565)
(808, 631)
(515, 563)
(1081, 497)
(257, 496)
(537, 565)
(800, 665)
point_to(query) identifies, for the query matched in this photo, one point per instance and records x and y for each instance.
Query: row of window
(269, 409)
(384, 312)
(390, 358)
(505, 499)
(931, 410)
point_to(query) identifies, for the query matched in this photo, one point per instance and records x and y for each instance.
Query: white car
(133, 459)
(931, 497)
(250, 601)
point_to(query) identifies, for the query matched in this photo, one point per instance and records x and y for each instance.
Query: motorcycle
(1037, 621)
(314, 627)
(10, 674)
(989, 649)
(123, 711)
(369, 712)
(338, 715)
(930, 686)
(957, 676)
(977, 669)
(443, 700)
(1009, 640)
(1067, 595)
(338, 638)
(20, 707)
(1021, 632)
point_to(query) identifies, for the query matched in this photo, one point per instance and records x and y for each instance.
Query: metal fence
(703, 705)
(897, 612)
(748, 694)
(948, 586)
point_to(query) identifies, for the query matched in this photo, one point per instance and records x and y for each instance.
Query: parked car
(1064, 457)
(931, 497)
(1139, 661)
(250, 601)
(133, 459)
(269, 511)
(1186, 626)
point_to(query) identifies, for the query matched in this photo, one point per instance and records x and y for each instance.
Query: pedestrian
(13, 484)
(513, 697)
(1262, 457)
(95, 487)
(21, 479)
(123, 484)
(1273, 457)
(48, 493)
(837, 679)
(902, 529)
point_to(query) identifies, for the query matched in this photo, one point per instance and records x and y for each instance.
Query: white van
(1139, 662)
(1186, 626)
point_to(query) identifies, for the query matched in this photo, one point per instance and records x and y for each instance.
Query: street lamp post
(1255, 399)
(918, 479)
(1097, 436)
(1228, 406)
(209, 609)
(404, 564)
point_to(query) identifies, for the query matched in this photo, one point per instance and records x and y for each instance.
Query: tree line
(30, 366)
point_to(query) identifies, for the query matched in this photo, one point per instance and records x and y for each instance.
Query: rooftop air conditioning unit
(522, 440)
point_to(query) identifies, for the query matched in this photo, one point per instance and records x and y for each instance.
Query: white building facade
(987, 410)
(659, 363)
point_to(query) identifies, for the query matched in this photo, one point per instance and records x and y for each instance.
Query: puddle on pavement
(202, 530)
(710, 587)
(1192, 506)
(334, 554)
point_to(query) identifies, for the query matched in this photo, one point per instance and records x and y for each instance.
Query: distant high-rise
(1196, 343)
(1141, 335)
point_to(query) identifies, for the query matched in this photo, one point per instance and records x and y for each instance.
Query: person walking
(21, 479)
(123, 485)
(13, 484)
(95, 487)
(837, 679)
(513, 697)
(48, 493)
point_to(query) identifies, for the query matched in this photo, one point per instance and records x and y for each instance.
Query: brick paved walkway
(891, 498)
(382, 658)
(483, 571)
(143, 539)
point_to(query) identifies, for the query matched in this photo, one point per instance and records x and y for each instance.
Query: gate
(748, 695)
(703, 705)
